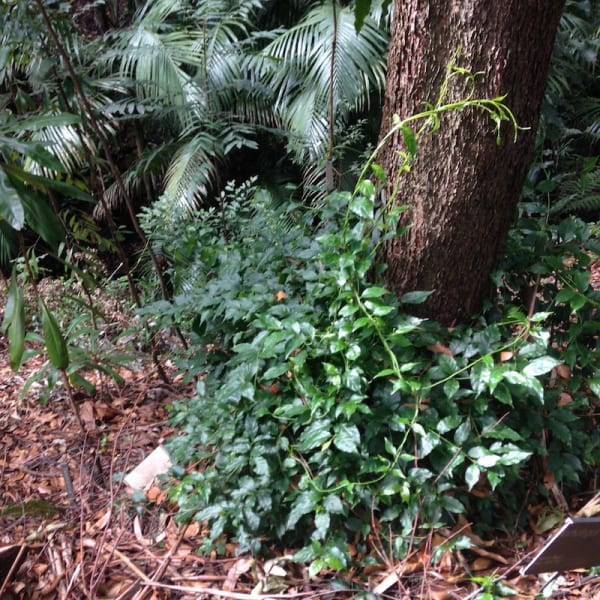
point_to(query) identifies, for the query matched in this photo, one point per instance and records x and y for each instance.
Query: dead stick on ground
(97, 569)
(241, 596)
(130, 565)
(160, 570)
(13, 569)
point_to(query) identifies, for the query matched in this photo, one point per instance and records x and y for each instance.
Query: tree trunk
(463, 187)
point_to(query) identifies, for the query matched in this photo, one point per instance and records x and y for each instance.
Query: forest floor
(70, 527)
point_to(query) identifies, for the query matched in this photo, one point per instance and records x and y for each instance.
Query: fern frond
(579, 194)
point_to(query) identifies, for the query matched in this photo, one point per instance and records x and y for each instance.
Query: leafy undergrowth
(98, 542)
(95, 540)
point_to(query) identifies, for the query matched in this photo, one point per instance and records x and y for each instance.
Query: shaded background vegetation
(209, 152)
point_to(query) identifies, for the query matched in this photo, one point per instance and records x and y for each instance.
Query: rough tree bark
(463, 188)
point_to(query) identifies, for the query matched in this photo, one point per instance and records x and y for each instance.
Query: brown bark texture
(463, 187)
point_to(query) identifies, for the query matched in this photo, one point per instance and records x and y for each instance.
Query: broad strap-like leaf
(11, 207)
(14, 321)
(40, 217)
(56, 345)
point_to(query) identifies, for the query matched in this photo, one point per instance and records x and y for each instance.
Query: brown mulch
(71, 528)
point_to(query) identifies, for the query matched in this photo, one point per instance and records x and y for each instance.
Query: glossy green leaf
(322, 523)
(354, 379)
(77, 380)
(527, 382)
(379, 309)
(305, 503)
(512, 455)
(416, 297)
(56, 345)
(374, 292)
(275, 371)
(448, 423)
(11, 207)
(333, 504)
(594, 384)
(502, 393)
(462, 432)
(41, 184)
(361, 206)
(41, 218)
(315, 435)
(347, 438)
(488, 461)
(11, 302)
(40, 122)
(564, 295)
(452, 504)
(407, 324)
(480, 376)
(451, 388)
(419, 475)
(44, 158)
(578, 302)
(472, 475)
(427, 440)
(378, 172)
(541, 366)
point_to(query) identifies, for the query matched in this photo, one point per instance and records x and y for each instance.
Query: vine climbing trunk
(463, 187)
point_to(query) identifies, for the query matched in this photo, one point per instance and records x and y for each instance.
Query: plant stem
(72, 400)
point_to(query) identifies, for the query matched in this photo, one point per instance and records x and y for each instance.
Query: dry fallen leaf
(192, 530)
(241, 566)
(439, 593)
(563, 371)
(101, 522)
(440, 349)
(403, 568)
(564, 399)
(86, 413)
(481, 564)
(464, 528)
(493, 556)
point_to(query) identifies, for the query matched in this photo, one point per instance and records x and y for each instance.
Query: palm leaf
(192, 170)
(304, 68)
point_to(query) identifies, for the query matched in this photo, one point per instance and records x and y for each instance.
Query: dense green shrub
(321, 400)
(324, 409)
(548, 267)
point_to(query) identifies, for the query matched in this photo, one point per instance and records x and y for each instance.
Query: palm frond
(192, 171)
(305, 67)
(151, 166)
(66, 143)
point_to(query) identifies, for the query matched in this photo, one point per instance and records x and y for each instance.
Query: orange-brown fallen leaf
(239, 567)
(440, 349)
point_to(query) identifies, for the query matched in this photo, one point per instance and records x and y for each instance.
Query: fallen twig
(243, 596)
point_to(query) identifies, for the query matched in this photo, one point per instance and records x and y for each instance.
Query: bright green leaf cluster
(319, 399)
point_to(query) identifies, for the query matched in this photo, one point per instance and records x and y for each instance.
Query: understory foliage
(567, 169)
(325, 412)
